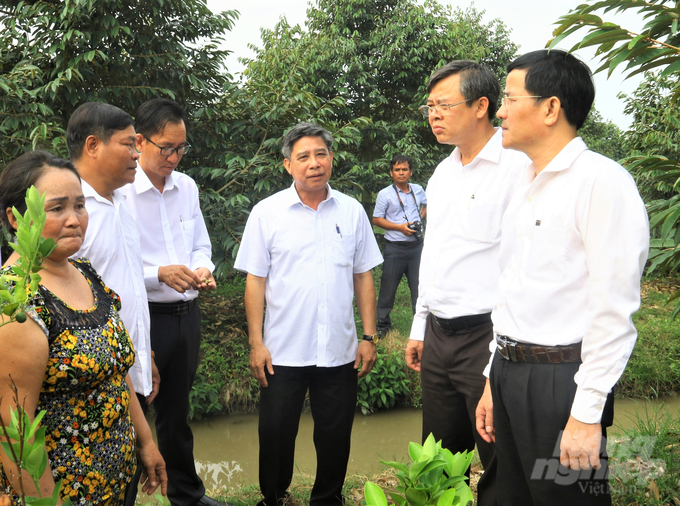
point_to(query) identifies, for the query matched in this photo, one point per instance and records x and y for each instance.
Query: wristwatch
(371, 339)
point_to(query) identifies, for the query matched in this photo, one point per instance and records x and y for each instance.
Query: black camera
(417, 227)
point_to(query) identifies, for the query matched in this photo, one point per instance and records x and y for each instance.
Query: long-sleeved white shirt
(112, 246)
(575, 242)
(465, 203)
(171, 228)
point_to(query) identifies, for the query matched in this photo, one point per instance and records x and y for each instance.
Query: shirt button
(323, 305)
(528, 199)
(519, 235)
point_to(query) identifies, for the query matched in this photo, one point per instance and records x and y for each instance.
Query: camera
(417, 227)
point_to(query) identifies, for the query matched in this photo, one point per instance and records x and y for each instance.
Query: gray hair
(305, 130)
(476, 81)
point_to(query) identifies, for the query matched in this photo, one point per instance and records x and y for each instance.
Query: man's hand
(207, 283)
(155, 382)
(153, 468)
(259, 360)
(580, 445)
(178, 277)
(405, 230)
(414, 350)
(366, 357)
(484, 415)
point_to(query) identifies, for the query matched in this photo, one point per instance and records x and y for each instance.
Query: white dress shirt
(309, 258)
(575, 242)
(112, 246)
(171, 228)
(387, 206)
(465, 203)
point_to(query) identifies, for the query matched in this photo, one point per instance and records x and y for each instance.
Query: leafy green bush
(434, 477)
(385, 384)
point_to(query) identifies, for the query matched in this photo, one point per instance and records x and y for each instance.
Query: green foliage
(435, 477)
(33, 249)
(656, 47)
(56, 55)
(376, 56)
(602, 136)
(385, 384)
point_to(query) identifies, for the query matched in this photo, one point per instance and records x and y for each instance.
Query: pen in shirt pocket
(337, 229)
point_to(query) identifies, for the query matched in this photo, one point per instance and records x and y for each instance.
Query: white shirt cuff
(418, 327)
(151, 280)
(588, 405)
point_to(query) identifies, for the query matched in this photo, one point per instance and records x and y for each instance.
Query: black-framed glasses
(444, 109)
(169, 151)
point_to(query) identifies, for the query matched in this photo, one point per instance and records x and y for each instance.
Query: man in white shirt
(399, 209)
(101, 139)
(308, 251)
(575, 242)
(176, 252)
(466, 198)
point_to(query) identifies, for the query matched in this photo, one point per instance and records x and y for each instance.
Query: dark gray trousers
(531, 406)
(399, 259)
(452, 381)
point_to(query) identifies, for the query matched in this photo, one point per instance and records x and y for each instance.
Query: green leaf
(446, 499)
(374, 495)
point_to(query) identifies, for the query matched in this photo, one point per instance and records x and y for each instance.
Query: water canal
(226, 447)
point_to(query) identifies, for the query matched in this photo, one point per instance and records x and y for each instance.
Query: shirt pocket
(342, 250)
(187, 227)
(547, 256)
(483, 221)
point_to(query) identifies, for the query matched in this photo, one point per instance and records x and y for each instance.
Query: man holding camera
(467, 196)
(399, 209)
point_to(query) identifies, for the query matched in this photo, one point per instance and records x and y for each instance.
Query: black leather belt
(173, 308)
(452, 325)
(405, 244)
(515, 351)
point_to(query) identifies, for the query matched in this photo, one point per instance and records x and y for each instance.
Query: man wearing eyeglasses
(466, 198)
(575, 243)
(176, 252)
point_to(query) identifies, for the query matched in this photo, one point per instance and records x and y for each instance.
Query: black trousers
(399, 259)
(531, 407)
(452, 381)
(176, 342)
(333, 399)
(131, 491)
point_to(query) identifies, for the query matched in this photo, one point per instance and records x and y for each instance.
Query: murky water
(226, 447)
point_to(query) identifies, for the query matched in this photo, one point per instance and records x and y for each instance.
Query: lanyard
(403, 209)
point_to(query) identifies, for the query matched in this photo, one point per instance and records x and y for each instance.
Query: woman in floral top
(72, 355)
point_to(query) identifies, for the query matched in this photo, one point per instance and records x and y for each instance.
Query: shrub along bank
(224, 383)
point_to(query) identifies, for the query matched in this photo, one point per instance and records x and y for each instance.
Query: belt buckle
(180, 309)
(506, 348)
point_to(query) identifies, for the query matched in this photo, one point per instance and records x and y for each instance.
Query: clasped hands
(180, 278)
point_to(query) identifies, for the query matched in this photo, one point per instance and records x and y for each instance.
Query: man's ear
(11, 218)
(286, 164)
(140, 142)
(553, 110)
(482, 107)
(92, 144)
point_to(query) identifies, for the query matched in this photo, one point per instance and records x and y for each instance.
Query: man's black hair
(556, 73)
(305, 130)
(401, 159)
(94, 118)
(154, 114)
(476, 81)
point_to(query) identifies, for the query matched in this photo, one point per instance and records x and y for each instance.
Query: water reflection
(226, 447)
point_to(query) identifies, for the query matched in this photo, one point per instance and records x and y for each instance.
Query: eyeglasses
(443, 109)
(506, 101)
(169, 151)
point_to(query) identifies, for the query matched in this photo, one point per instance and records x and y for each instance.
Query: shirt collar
(143, 183)
(491, 151)
(293, 198)
(88, 191)
(566, 157)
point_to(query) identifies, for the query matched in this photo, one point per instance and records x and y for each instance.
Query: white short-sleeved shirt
(387, 206)
(575, 242)
(309, 258)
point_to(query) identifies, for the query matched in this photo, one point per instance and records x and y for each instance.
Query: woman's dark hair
(23, 173)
